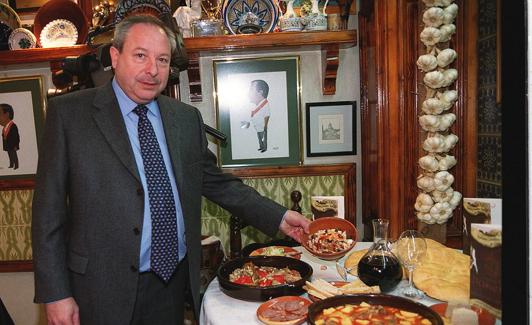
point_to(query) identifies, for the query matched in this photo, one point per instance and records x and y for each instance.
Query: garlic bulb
(434, 79)
(455, 200)
(443, 196)
(446, 31)
(448, 96)
(446, 57)
(429, 163)
(425, 217)
(446, 163)
(433, 106)
(427, 62)
(450, 141)
(445, 3)
(426, 183)
(446, 120)
(433, 17)
(423, 202)
(443, 180)
(441, 211)
(449, 13)
(449, 76)
(435, 143)
(430, 36)
(429, 123)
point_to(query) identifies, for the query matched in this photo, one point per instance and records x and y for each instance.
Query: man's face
(143, 66)
(254, 95)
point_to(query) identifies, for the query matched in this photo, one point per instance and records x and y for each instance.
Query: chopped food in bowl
(263, 276)
(329, 238)
(329, 241)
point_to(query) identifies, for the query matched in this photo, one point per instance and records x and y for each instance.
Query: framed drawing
(331, 128)
(22, 110)
(257, 107)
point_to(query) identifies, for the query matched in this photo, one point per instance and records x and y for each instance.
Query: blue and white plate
(266, 11)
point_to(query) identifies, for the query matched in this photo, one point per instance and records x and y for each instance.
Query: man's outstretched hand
(294, 225)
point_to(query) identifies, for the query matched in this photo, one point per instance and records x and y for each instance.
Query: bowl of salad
(260, 278)
(330, 238)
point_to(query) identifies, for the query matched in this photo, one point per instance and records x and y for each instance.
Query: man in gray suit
(92, 207)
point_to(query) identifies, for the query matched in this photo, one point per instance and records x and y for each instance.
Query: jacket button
(136, 231)
(133, 268)
(140, 191)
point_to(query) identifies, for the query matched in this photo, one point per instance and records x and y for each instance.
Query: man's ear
(114, 53)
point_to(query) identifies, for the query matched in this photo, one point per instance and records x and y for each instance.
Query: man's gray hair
(123, 27)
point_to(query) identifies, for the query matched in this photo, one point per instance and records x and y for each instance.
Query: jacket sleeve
(49, 214)
(233, 195)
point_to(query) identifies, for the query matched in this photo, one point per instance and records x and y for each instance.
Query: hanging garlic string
(437, 199)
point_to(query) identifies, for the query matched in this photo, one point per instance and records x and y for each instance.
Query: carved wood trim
(16, 266)
(330, 56)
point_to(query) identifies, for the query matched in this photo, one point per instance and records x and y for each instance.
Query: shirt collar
(127, 105)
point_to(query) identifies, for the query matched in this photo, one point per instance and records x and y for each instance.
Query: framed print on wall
(21, 129)
(331, 128)
(257, 105)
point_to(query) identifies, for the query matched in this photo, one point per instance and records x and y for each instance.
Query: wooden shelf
(41, 54)
(345, 38)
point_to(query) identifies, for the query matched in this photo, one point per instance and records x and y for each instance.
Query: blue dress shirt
(131, 120)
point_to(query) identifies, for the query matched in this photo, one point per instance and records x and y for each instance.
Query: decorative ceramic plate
(153, 7)
(21, 38)
(9, 16)
(266, 11)
(59, 32)
(5, 31)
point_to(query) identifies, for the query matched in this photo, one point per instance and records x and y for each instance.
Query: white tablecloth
(219, 309)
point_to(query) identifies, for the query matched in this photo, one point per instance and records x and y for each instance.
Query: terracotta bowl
(374, 299)
(249, 293)
(330, 223)
(61, 9)
(265, 310)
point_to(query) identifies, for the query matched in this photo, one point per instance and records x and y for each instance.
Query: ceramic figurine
(185, 15)
(289, 21)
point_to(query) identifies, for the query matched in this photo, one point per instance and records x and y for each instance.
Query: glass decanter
(379, 266)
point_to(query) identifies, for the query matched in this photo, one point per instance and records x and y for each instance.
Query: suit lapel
(175, 135)
(111, 123)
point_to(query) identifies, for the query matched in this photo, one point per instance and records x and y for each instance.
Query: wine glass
(410, 248)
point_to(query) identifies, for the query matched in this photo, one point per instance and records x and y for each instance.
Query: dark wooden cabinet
(392, 91)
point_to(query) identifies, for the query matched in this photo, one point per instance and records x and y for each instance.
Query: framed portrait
(22, 102)
(331, 128)
(257, 107)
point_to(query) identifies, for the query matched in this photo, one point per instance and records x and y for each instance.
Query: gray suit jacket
(88, 202)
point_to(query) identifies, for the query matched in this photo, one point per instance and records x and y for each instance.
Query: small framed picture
(22, 110)
(327, 206)
(331, 128)
(257, 105)
(26, 5)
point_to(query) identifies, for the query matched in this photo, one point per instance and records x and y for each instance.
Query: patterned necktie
(164, 248)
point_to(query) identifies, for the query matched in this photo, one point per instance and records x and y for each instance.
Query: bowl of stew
(260, 278)
(382, 307)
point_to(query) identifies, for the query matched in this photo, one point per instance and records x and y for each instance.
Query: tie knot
(141, 110)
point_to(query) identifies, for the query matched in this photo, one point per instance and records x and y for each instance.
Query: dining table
(217, 308)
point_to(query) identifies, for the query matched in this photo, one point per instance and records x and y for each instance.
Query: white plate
(59, 32)
(21, 38)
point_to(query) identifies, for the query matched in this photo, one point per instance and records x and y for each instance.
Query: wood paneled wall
(392, 91)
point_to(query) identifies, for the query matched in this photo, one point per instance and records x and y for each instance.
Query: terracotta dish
(276, 251)
(286, 310)
(330, 223)
(374, 299)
